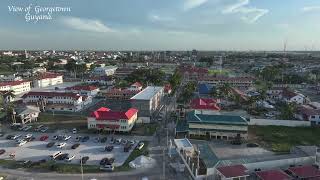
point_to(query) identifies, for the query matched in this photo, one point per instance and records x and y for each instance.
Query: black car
(109, 148)
(84, 159)
(30, 139)
(75, 146)
(50, 144)
(10, 136)
(2, 151)
(103, 140)
(252, 145)
(105, 161)
(85, 139)
(62, 157)
(27, 163)
(2, 134)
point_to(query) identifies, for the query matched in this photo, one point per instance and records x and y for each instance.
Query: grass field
(282, 139)
(44, 117)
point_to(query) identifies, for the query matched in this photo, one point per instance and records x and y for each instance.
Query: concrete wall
(271, 122)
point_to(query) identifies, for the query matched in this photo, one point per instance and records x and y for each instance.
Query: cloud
(249, 14)
(310, 9)
(157, 18)
(90, 25)
(191, 4)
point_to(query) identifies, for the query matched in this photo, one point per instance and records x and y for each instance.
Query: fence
(271, 122)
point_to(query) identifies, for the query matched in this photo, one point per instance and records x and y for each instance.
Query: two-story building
(83, 90)
(57, 101)
(47, 79)
(18, 87)
(116, 121)
(104, 71)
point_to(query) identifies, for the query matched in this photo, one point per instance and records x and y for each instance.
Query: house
(293, 97)
(18, 87)
(272, 175)
(308, 113)
(102, 80)
(12, 77)
(57, 101)
(84, 90)
(275, 93)
(234, 172)
(122, 73)
(148, 101)
(135, 87)
(117, 121)
(27, 114)
(305, 172)
(104, 71)
(203, 104)
(47, 79)
(205, 124)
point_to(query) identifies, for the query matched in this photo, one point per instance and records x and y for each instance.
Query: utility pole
(164, 165)
(81, 168)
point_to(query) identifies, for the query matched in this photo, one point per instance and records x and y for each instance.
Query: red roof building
(273, 175)
(204, 104)
(167, 88)
(84, 90)
(305, 172)
(236, 171)
(105, 118)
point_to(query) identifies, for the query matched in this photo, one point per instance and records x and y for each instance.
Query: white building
(102, 80)
(12, 77)
(84, 90)
(105, 119)
(18, 87)
(57, 101)
(28, 114)
(48, 79)
(105, 71)
(293, 97)
(135, 87)
(147, 102)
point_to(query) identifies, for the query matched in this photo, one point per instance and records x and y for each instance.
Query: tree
(175, 80)
(287, 111)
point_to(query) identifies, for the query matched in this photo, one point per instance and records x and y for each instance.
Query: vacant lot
(282, 139)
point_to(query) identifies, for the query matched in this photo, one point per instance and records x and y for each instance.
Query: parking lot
(37, 150)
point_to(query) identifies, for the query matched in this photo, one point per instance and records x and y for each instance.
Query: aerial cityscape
(159, 90)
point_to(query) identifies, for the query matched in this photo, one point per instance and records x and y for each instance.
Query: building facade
(47, 79)
(18, 87)
(105, 119)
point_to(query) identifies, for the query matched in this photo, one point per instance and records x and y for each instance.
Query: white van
(56, 154)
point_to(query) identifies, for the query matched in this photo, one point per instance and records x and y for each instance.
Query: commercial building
(57, 101)
(147, 102)
(18, 87)
(216, 126)
(84, 90)
(47, 79)
(238, 82)
(101, 80)
(105, 71)
(117, 121)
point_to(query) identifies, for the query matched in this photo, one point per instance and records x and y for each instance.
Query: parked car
(61, 145)
(44, 138)
(103, 140)
(29, 139)
(75, 146)
(62, 157)
(74, 131)
(50, 144)
(16, 136)
(56, 154)
(107, 167)
(28, 136)
(9, 137)
(27, 128)
(96, 139)
(84, 159)
(55, 137)
(140, 145)
(22, 143)
(132, 142)
(69, 158)
(2, 151)
(252, 145)
(85, 138)
(108, 148)
(124, 141)
(27, 163)
(66, 138)
(45, 129)
(105, 161)
(118, 141)
(78, 138)
(112, 141)
(39, 128)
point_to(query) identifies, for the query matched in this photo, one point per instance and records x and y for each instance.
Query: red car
(43, 138)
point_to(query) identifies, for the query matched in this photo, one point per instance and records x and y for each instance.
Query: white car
(16, 136)
(22, 143)
(140, 145)
(56, 154)
(66, 138)
(44, 129)
(28, 136)
(69, 158)
(74, 131)
(61, 145)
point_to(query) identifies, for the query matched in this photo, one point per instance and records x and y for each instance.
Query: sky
(162, 25)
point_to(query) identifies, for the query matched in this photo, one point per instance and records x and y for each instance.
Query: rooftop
(208, 104)
(104, 113)
(198, 117)
(147, 93)
(305, 171)
(273, 175)
(233, 171)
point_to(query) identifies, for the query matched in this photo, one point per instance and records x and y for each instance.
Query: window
(313, 117)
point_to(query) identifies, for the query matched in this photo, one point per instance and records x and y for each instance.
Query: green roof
(197, 117)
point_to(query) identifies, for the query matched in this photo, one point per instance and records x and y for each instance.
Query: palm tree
(225, 89)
